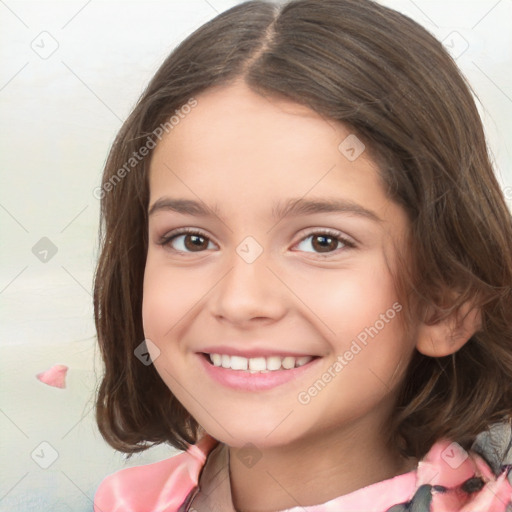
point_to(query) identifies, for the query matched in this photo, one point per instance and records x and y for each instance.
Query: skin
(245, 152)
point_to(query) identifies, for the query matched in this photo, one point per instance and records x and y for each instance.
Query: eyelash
(167, 239)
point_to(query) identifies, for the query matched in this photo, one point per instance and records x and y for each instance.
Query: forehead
(229, 118)
(238, 151)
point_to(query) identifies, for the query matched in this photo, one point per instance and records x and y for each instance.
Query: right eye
(195, 240)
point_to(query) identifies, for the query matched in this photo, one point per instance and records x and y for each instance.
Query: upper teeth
(258, 364)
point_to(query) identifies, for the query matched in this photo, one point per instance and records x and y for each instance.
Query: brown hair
(392, 83)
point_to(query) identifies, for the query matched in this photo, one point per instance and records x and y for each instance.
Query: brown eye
(196, 242)
(192, 241)
(326, 242)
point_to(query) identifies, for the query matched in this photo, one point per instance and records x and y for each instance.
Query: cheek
(348, 302)
(361, 311)
(172, 295)
(165, 302)
(162, 300)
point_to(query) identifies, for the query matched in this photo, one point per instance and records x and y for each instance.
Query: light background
(59, 114)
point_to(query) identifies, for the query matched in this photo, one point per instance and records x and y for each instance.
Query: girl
(305, 275)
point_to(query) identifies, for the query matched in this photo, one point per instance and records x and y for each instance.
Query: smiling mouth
(257, 364)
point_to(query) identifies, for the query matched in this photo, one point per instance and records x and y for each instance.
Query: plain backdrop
(70, 73)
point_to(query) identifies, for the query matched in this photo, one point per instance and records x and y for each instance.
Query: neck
(313, 470)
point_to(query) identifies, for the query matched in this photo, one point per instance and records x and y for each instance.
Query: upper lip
(250, 353)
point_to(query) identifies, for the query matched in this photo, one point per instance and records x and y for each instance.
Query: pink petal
(55, 376)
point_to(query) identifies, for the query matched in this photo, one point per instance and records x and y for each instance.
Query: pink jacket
(447, 479)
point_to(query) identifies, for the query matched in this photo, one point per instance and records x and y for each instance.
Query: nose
(248, 291)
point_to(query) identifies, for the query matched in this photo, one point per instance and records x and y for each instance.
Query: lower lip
(246, 381)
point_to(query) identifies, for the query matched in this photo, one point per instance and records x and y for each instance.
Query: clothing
(447, 479)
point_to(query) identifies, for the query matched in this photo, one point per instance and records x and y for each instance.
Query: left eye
(325, 240)
(196, 241)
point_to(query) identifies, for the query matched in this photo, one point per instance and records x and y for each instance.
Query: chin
(262, 436)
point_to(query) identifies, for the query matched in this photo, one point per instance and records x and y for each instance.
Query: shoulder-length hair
(395, 86)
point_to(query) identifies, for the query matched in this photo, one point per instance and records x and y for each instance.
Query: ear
(446, 336)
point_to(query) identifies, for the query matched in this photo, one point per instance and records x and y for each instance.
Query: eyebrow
(291, 207)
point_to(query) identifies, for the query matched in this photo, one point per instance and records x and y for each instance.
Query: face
(251, 281)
